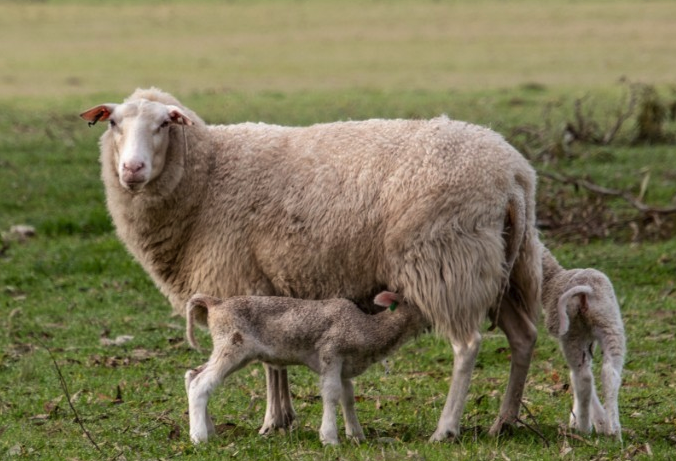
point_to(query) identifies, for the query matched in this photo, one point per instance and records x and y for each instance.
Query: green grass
(284, 62)
(74, 282)
(77, 47)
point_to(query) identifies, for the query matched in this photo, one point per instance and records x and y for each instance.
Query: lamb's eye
(164, 124)
(113, 124)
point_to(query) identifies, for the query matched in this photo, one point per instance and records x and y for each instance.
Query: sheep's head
(139, 131)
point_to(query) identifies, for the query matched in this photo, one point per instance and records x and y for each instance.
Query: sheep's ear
(177, 116)
(98, 113)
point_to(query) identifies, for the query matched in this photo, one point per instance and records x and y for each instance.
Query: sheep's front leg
(521, 334)
(331, 387)
(279, 412)
(352, 427)
(463, 364)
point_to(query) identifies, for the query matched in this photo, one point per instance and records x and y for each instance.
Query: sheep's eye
(112, 123)
(164, 124)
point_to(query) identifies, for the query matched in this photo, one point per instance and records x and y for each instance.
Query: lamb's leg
(352, 427)
(201, 384)
(598, 414)
(521, 334)
(331, 387)
(189, 377)
(279, 412)
(464, 359)
(611, 379)
(577, 352)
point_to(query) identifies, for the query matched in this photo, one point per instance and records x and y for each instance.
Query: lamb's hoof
(583, 428)
(332, 441)
(615, 433)
(199, 437)
(443, 435)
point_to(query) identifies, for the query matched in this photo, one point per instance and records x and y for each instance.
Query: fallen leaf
(52, 407)
(120, 340)
(22, 232)
(174, 432)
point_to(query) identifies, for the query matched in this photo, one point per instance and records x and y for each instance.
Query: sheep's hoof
(500, 427)
(443, 435)
(356, 438)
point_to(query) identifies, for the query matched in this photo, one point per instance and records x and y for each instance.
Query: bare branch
(64, 386)
(600, 190)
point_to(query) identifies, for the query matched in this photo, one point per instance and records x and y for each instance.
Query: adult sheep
(439, 211)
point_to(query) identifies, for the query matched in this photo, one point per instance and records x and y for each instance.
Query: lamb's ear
(177, 116)
(98, 113)
(387, 299)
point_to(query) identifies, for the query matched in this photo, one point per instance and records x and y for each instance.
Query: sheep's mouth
(133, 185)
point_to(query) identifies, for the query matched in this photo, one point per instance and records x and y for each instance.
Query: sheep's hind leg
(521, 334)
(353, 429)
(279, 412)
(464, 360)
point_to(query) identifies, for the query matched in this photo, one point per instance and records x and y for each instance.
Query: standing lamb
(581, 310)
(334, 338)
(440, 211)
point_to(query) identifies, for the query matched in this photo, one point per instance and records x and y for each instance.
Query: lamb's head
(139, 133)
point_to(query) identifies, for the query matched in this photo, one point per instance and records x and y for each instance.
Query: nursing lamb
(440, 211)
(332, 337)
(581, 310)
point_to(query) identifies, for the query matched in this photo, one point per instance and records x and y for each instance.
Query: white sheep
(581, 310)
(334, 338)
(440, 211)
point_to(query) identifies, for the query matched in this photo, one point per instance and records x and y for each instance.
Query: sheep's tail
(515, 228)
(516, 213)
(197, 305)
(562, 307)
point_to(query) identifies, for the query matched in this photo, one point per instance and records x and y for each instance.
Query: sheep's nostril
(133, 167)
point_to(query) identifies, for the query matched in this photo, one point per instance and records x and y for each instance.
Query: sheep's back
(329, 210)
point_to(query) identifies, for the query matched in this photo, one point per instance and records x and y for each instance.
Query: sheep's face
(139, 131)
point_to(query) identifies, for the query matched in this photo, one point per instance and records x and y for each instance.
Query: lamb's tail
(198, 305)
(562, 307)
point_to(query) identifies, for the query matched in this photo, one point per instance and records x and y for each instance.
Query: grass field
(74, 47)
(501, 64)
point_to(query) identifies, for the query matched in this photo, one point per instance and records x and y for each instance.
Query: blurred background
(59, 47)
